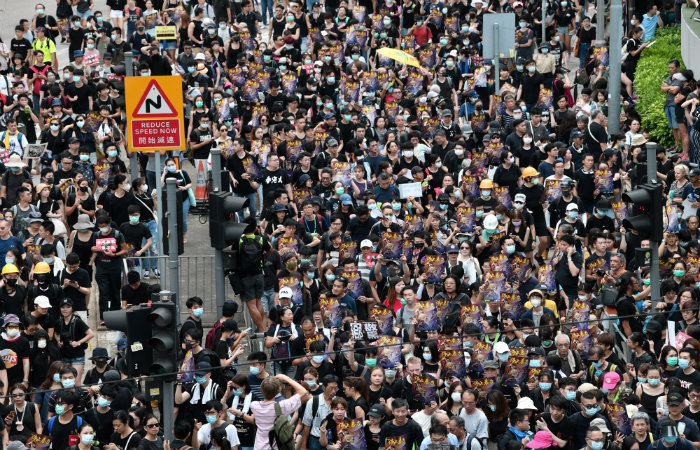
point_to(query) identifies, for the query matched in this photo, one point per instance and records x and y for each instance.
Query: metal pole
(600, 20)
(544, 19)
(134, 161)
(159, 202)
(655, 281)
(168, 407)
(497, 60)
(174, 271)
(218, 254)
(615, 52)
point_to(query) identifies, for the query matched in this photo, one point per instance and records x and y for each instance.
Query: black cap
(202, 368)
(73, 139)
(65, 301)
(674, 398)
(377, 410)
(539, 351)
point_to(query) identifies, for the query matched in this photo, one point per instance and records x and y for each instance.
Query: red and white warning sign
(155, 113)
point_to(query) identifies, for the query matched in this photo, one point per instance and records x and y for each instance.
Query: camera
(600, 272)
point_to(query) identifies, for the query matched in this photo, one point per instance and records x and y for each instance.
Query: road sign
(155, 113)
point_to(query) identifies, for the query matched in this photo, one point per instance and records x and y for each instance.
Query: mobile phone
(246, 330)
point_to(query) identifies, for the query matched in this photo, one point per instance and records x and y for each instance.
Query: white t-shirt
(204, 435)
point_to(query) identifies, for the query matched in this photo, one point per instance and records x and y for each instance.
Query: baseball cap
(500, 347)
(78, 54)
(539, 351)
(572, 207)
(695, 172)
(520, 198)
(56, 102)
(278, 207)
(611, 379)
(577, 134)
(66, 301)
(285, 292)
(42, 301)
(674, 398)
(446, 112)
(491, 364)
(121, 343)
(345, 199)
(332, 142)
(377, 410)
(600, 424)
(202, 368)
(366, 243)
(453, 248)
(199, 56)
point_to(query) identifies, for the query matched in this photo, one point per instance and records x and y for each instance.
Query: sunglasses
(153, 425)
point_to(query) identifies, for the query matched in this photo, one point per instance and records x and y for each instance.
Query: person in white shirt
(215, 414)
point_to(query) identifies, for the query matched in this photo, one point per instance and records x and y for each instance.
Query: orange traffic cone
(200, 191)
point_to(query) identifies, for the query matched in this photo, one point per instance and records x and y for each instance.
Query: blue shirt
(649, 24)
(348, 302)
(6, 244)
(386, 195)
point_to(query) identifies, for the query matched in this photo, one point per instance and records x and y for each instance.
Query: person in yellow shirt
(47, 46)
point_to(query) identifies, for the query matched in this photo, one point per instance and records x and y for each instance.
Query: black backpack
(250, 254)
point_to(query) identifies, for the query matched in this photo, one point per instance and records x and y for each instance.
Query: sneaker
(146, 274)
(156, 273)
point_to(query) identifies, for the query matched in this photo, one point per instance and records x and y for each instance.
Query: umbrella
(400, 56)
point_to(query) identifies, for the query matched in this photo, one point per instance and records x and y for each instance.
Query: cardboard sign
(35, 150)
(91, 59)
(166, 33)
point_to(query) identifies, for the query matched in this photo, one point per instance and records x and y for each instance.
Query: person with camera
(280, 335)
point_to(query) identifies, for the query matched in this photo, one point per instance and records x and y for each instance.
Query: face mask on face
(254, 370)
(68, 383)
(486, 193)
(408, 154)
(237, 392)
(572, 214)
(527, 140)
(479, 214)
(211, 419)
(331, 80)
(516, 223)
(456, 397)
(104, 229)
(103, 402)
(370, 362)
(510, 249)
(330, 277)
(292, 266)
(80, 123)
(200, 380)
(678, 273)
(592, 412)
(197, 312)
(653, 381)
(54, 127)
(12, 333)
(672, 361)
(683, 363)
(545, 386)
(390, 373)
(570, 395)
(531, 69)
(535, 302)
(60, 410)
(100, 364)
(84, 158)
(670, 439)
(318, 359)
(41, 343)
(427, 356)
(535, 363)
(503, 357)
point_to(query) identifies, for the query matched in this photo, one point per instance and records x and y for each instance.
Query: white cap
(42, 301)
(199, 56)
(520, 198)
(572, 207)
(500, 347)
(490, 222)
(432, 94)
(366, 243)
(285, 292)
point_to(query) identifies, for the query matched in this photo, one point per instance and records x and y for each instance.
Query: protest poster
(392, 245)
(351, 434)
(354, 288)
(580, 313)
(552, 190)
(413, 223)
(186, 373)
(545, 275)
(471, 185)
(388, 351)
(293, 282)
(483, 386)
(426, 316)
(516, 370)
(480, 354)
(519, 268)
(35, 150)
(618, 419)
(452, 362)
(544, 101)
(330, 310)
(450, 343)
(429, 126)
(671, 221)
(347, 250)
(499, 263)
(289, 83)
(502, 194)
(620, 211)
(38, 441)
(424, 389)
(384, 318)
(603, 181)
(395, 443)
(434, 268)
(495, 282)
(581, 342)
(511, 306)
(466, 219)
(470, 314)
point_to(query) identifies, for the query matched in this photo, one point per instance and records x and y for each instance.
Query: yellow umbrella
(400, 56)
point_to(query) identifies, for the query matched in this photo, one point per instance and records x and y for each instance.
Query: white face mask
(527, 140)
(12, 333)
(456, 397)
(41, 343)
(535, 302)
(408, 154)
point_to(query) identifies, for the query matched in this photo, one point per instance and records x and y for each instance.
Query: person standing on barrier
(135, 233)
(147, 203)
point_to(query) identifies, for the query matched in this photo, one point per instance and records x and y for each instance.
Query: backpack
(282, 432)
(250, 252)
(315, 402)
(79, 421)
(210, 341)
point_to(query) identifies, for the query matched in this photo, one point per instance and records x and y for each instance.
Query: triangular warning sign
(154, 103)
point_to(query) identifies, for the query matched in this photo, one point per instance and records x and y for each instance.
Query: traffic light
(164, 339)
(134, 323)
(224, 229)
(180, 197)
(648, 209)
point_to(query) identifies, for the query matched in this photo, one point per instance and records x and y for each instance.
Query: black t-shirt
(83, 278)
(60, 433)
(626, 307)
(135, 234)
(16, 351)
(410, 431)
(128, 443)
(135, 297)
(271, 181)
(101, 423)
(563, 275)
(74, 330)
(562, 430)
(12, 304)
(21, 46)
(686, 379)
(111, 241)
(118, 207)
(198, 136)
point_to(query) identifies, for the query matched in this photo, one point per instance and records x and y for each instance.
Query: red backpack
(210, 341)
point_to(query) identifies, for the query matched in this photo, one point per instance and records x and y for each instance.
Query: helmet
(41, 267)
(9, 268)
(486, 184)
(530, 172)
(490, 222)
(568, 183)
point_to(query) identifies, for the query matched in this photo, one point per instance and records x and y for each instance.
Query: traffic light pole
(169, 404)
(159, 210)
(654, 272)
(171, 186)
(218, 254)
(133, 160)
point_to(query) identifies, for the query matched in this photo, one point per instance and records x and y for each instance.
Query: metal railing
(197, 278)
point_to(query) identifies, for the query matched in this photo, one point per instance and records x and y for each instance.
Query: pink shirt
(265, 418)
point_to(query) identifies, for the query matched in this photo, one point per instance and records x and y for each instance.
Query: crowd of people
(432, 262)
